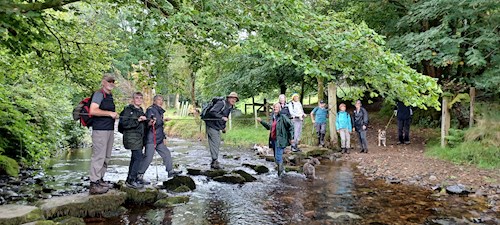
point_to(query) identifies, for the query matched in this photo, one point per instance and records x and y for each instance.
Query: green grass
(474, 153)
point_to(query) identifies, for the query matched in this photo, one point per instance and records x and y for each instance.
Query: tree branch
(152, 5)
(35, 6)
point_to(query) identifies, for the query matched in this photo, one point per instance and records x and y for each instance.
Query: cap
(295, 94)
(321, 102)
(233, 95)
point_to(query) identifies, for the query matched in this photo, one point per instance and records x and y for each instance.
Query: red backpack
(82, 111)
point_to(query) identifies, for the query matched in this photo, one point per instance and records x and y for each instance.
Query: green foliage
(455, 137)
(473, 153)
(8, 166)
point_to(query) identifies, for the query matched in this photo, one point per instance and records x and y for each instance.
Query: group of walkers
(143, 132)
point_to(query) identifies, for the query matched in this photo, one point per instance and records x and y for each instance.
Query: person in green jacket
(280, 135)
(134, 124)
(344, 128)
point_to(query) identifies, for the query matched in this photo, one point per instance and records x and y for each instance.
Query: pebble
(432, 178)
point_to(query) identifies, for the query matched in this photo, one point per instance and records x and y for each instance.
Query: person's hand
(364, 127)
(225, 118)
(395, 112)
(259, 119)
(353, 129)
(338, 131)
(141, 118)
(152, 122)
(313, 121)
(166, 119)
(113, 115)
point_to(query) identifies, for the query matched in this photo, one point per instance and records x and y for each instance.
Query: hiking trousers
(102, 144)
(213, 142)
(404, 130)
(362, 139)
(162, 150)
(297, 130)
(135, 164)
(345, 138)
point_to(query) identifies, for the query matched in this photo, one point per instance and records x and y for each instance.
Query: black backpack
(81, 111)
(210, 105)
(120, 123)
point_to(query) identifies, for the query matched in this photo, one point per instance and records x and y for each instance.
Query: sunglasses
(111, 81)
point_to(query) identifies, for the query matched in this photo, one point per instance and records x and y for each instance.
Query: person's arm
(129, 122)
(216, 109)
(365, 118)
(312, 114)
(152, 113)
(94, 107)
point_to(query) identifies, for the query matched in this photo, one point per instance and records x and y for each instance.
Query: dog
(381, 137)
(309, 168)
(262, 150)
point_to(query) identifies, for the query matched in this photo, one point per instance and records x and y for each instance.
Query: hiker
(215, 122)
(298, 115)
(155, 137)
(318, 118)
(344, 128)
(360, 125)
(102, 110)
(280, 135)
(403, 114)
(134, 122)
(284, 106)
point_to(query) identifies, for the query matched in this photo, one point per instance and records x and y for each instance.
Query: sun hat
(233, 95)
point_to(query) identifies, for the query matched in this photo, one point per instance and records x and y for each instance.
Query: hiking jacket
(214, 115)
(403, 112)
(343, 121)
(155, 111)
(133, 130)
(296, 110)
(285, 111)
(284, 130)
(108, 104)
(360, 119)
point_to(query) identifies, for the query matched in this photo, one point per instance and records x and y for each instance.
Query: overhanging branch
(35, 6)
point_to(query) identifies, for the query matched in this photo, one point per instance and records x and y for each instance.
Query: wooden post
(445, 121)
(255, 117)
(332, 109)
(177, 103)
(230, 121)
(266, 108)
(472, 95)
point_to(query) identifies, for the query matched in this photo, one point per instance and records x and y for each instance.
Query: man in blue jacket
(155, 140)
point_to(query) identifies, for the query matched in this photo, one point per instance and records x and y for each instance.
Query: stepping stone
(248, 177)
(179, 181)
(231, 179)
(18, 214)
(258, 168)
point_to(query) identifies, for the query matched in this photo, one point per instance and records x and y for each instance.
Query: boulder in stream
(260, 169)
(179, 181)
(82, 205)
(248, 177)
(230, 178)
(140, 196)
(18, 214)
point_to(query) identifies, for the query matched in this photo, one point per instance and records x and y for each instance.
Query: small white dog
(381, 137)
(309, 168)
(262, 150)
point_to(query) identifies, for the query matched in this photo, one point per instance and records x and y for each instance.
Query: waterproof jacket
(285, 111)
(284, 130)
(133, 130)
(155, 111)
(360, 118)
(343, 121)
(214, 115)
(403, 112)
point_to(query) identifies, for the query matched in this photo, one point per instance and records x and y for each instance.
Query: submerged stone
(69, 220)
(248, 177)
(182, 188)
(336, 215)
(179, 181)
(213, 173)
(232, 179)
(260, 169)
(171, 201)
(18, 214)
(82, 205)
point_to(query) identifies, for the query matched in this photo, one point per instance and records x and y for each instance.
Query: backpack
(120, 123)
(81, 111)
(210, 105)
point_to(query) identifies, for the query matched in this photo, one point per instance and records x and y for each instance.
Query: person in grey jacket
(360, 125)
(155, 139)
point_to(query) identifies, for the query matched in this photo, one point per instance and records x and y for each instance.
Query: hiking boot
(347, 150)
(215, 165)
(104, 183)
(342, 150)
(140, 180)
(134, 184)
(96, 189)
(407, 142)
(281, 169)
(173, 173)
(295, 149)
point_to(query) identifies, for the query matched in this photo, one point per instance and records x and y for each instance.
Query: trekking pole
(156, 163)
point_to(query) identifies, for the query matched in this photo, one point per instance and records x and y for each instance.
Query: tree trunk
(302, 85)
(445, 121)
(332, 109)
(321, 89)
(282, 88)
(177, 103)
(193, 83)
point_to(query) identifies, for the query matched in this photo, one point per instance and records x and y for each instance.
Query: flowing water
(340, 195)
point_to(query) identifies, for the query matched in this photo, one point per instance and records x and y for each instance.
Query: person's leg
(323, 133)
(135, 164)
(317, 127)
(400, 131)
(342, 139)
(147, 158)
(110, 135)
(213, 142)
(360, 141)
(166, 156)
(99, 144)
(347, 140)
(279, 160)
(407, 131)
(364, 142)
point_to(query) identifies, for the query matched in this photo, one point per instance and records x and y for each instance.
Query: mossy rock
(171, 201)
(181, 189)
(41, 222)
(82, 205)
(115, 213)
(140, 196)
(260, 169)
(297, 169)
(19, 214)
(194, 172)
(69, 220)
(317, 152)
(179, 181)
(214, 173)
(231, 179)
(268, 158)
(8, 166)
(248, 177)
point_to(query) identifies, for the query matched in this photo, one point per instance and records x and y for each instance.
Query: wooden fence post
(332, 109)
(445, 121)
(230, 121)
(472, 95)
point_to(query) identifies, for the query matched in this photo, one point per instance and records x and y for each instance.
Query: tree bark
(177, 104)
(193, 83)
(35, 6)
(445, 121)
(321, 89)
(332, 110)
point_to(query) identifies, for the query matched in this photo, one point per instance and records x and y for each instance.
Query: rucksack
(81, 111)
(210, 105)
(120, 123)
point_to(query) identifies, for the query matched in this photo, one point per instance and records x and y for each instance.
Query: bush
(8, 166)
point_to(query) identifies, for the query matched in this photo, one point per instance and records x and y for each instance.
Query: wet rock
(213, 173)
(260, 169)
(336, 215)
(457, 189)
(181, 189)
(316, 152)
(310, 214)
(140, 196)
(69, 220)
(432, 178)
(115, 213)
(155, 216)
(232, 179)
(248, 177)
(194, 172)
(297, 169)
(436, 188)
(82, 205)
(178, 181)
(449, 221)
(18, 214)
(171, 201)
(268, 158)
(392, 180)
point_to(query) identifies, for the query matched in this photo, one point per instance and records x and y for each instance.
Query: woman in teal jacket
(280, 135)
(344, 128)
